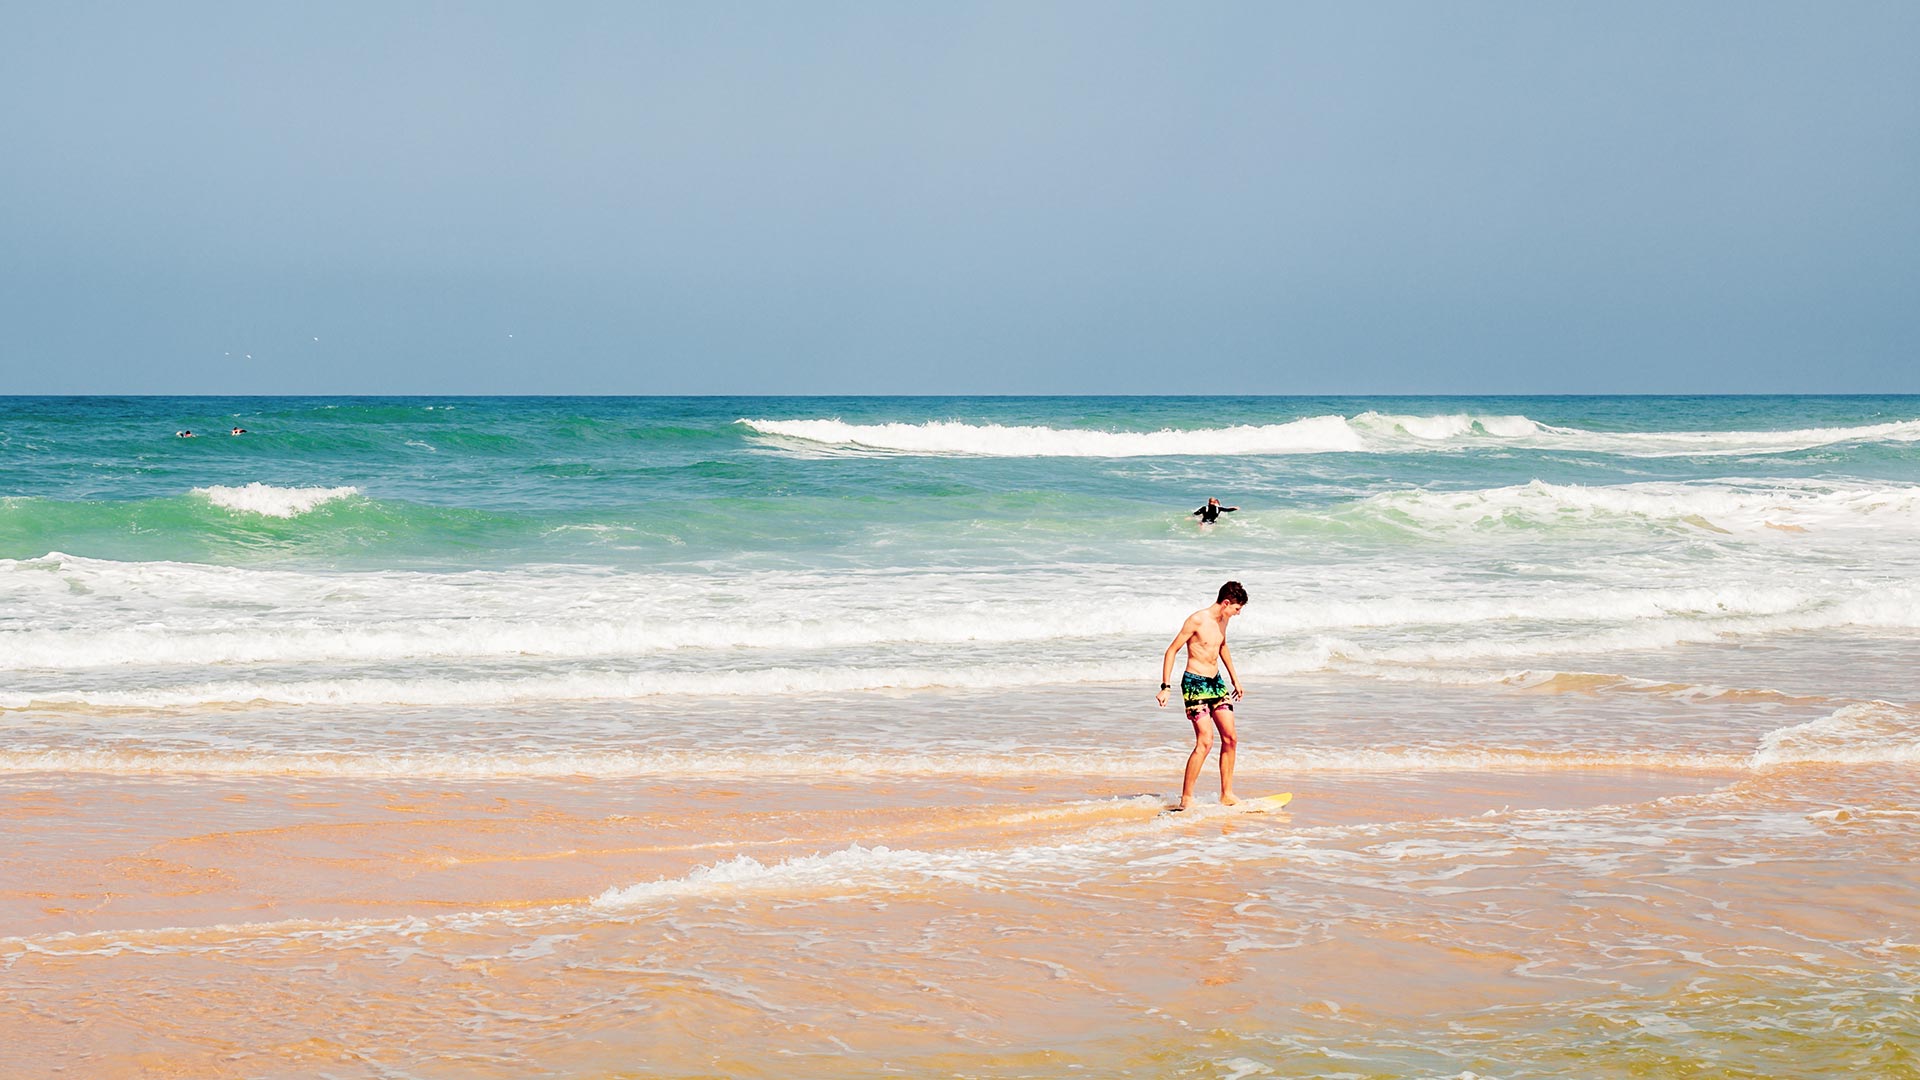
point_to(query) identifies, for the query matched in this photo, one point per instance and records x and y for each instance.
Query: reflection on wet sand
(1402, 924)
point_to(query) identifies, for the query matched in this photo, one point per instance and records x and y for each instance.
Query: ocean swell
(1726, 506)
(170, 616)
(1863, 733)
(1368, 432)
(270, 501)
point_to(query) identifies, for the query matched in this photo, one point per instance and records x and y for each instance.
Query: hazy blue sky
(1019, 197)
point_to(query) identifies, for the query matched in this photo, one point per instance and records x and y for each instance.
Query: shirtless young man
(1209, 705)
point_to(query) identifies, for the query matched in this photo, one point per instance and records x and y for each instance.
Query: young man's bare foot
(1229, 799)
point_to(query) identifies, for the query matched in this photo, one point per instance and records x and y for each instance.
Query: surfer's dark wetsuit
(1211, 512)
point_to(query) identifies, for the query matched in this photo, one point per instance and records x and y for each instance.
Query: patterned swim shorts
(1204, 692)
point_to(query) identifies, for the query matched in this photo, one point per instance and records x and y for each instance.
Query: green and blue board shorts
(1204, 692)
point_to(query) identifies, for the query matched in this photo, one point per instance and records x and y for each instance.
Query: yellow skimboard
(1265, 804)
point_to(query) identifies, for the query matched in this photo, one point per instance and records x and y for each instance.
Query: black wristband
(1166, 686)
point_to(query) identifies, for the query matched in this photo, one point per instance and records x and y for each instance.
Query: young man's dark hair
(1231, 593)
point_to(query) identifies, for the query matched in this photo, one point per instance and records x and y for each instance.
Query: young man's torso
(1203, 647)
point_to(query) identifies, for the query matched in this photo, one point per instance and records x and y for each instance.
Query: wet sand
(1385, 924)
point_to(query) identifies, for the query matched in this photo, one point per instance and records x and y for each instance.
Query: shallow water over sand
(580, 738)
(1622, 891)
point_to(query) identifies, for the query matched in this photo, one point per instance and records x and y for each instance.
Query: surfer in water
(1211, 512)
(1208, 700)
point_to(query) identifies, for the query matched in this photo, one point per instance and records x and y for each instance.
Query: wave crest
(1368, 432)
(1864, 733)
(1723, 506)
(270, 501)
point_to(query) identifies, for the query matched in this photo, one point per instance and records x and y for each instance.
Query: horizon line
(952, 395)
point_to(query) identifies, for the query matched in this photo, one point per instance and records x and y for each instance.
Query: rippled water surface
(796, 737)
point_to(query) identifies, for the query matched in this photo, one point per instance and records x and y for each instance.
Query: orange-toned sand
(262, 927)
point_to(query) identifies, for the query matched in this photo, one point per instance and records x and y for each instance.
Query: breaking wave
(377, 630)
(1368, 432)
(1724, 506)
(270, 501)
(1863, 733)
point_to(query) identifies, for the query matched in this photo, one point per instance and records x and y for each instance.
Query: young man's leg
(1202, 746)
(1223, 719)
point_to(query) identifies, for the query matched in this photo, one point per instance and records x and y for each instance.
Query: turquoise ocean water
(877, 602)
(464, 482)
(565, 547)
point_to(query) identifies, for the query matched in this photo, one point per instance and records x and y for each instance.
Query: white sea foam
(566, 686)
(170, 615)
(857, 868)
(1313, 435)
(1732, 505)
(1623, 623)
(852, 867)
(610, 764)
(472, 765)
(1844, 814)
(1147, 846)
(1863, 733)
(1733, 443)
(1597, 682)
(380, 634)
(1366, 432)
(471, 639)
(269, 501)
(1888, 608)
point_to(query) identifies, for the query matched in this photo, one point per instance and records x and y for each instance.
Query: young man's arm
(1198, 512)
(1229, 509)
(1226, 661)
(1166, 662)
